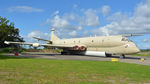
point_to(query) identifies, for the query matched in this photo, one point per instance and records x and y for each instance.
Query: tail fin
(53, 36)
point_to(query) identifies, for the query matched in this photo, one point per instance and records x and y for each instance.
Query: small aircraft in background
(94, 46)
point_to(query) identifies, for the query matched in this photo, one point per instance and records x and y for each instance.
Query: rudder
(53, 36)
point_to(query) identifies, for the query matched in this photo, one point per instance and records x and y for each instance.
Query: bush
(11, 50)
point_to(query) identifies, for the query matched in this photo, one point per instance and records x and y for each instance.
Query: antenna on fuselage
(129, 35)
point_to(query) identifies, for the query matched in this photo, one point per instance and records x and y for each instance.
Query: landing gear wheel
(62, 53)
(108, 55)
(65, 53)
(122, 56)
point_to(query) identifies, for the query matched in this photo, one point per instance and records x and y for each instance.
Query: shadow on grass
(44, 54)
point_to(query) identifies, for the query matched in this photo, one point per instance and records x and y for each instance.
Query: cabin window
(74, 41)
(64, 42)
(79, 41)
(92, 40)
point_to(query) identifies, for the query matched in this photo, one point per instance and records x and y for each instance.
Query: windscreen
(125, 39)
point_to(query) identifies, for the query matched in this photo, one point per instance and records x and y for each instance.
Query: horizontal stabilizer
(43, 40)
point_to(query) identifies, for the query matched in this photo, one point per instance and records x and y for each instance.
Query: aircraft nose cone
(137, 50)
(134, 48)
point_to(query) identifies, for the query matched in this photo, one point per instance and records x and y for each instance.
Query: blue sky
(78, 18)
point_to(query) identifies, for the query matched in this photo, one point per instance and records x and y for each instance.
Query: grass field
(44, 71)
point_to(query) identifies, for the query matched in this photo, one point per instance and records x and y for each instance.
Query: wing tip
(6, 42)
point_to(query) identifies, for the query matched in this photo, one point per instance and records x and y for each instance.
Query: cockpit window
(125, 39)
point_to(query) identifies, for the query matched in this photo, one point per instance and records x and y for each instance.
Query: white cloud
(25, 9)
(122, 23)
(105, 10)
(73, 33)
(92, 19)
(79, 28)
(64, 24)
(38, 34)
(143, 9)
(119, 23)
(56, 12)
(117, 17)
(69, 21)
(75, 6)
(146, 40)
(58, 22)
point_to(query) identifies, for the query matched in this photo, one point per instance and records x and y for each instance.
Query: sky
(79, 18)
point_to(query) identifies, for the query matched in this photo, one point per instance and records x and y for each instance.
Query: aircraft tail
(53, 36)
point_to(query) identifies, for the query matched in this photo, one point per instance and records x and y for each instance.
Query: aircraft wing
(49, 45)
(58, 46)
(70, 47)
(10, 42)
(37, 44)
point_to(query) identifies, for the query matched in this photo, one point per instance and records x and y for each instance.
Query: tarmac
(143, 60)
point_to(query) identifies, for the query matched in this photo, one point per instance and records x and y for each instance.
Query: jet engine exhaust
(82, 48)
(76, 48)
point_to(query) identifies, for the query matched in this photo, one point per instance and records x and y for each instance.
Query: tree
(8, 32)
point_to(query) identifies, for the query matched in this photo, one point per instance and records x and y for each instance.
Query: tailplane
(53, 36)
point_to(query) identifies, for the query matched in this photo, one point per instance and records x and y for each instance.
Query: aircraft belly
(118, 49)
(129, 48)
(110, 50)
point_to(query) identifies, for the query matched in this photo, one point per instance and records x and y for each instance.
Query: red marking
(16, 54)
(82, 48)
(76, 48)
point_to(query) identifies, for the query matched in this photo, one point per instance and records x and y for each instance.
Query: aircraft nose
(132, 48)
(137, 50)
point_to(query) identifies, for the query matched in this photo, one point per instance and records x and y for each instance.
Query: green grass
(141, 54)
(45, 71)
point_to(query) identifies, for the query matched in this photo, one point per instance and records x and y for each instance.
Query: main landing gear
(65, 53)
(108, 55)
(122, 56)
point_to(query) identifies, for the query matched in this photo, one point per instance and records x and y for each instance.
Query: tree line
(8, 32)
